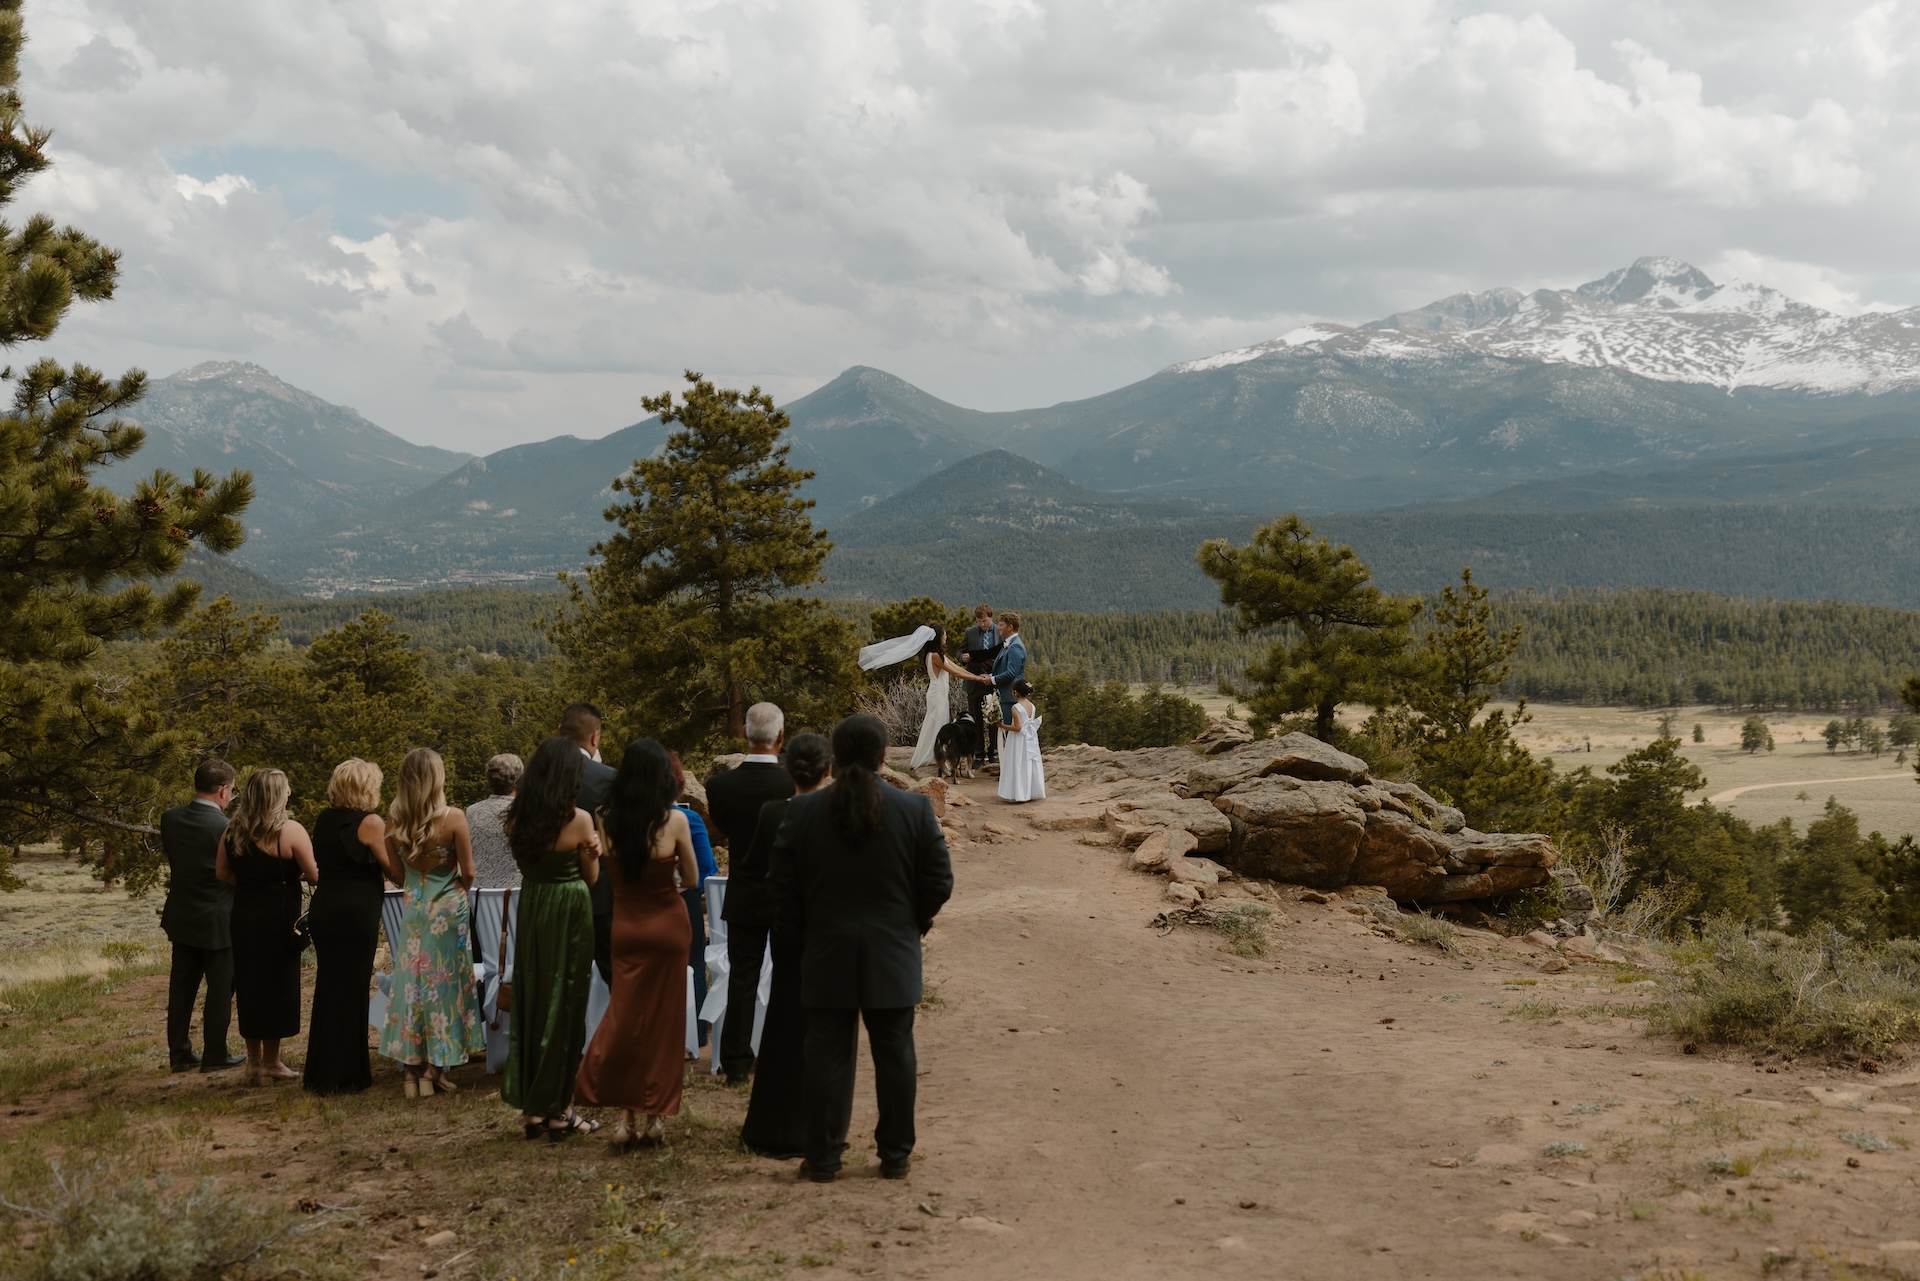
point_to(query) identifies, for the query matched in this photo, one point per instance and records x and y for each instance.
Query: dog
(956, 745)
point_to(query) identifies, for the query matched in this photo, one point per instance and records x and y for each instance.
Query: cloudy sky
(487, 221)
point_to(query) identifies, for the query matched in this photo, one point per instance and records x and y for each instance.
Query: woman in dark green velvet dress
(558, 855)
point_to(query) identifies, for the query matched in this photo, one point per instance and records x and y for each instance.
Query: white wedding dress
(936, 714)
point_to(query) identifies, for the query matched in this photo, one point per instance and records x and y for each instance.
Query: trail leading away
(1721, 798)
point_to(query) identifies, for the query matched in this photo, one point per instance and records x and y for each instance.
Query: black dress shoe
(222, 1063)
(896, 1169)
(739, 1078)
(187, 1064)
(818, 1176)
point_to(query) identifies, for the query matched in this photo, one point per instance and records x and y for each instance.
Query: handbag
(303, 924)
(503, 995)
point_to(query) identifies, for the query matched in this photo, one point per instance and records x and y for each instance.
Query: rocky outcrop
(1294, 809)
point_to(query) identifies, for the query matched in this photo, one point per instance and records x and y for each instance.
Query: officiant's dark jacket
(199, 909)
(596, 784)
(734, 800)
(861, 907)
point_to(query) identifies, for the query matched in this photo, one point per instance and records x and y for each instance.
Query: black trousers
(831, 1042)
(977, 695)
(191, 965)
(746, 950)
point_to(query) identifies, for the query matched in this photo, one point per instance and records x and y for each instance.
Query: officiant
(978, 648)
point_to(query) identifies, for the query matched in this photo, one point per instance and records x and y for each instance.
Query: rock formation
(1291, 809)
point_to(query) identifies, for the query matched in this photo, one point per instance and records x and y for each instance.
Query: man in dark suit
(734, 800)
(859, 870)
(978, 648)
(580, 722)
(197, 918)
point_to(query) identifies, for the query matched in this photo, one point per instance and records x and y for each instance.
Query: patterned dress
(434, 1014)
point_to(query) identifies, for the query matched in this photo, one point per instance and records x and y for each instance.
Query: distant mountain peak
(1660, 318)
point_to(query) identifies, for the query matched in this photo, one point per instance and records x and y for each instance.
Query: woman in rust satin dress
(637, 1061)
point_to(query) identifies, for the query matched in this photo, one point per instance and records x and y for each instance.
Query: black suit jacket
(982, 646)
(199, 909)
(752, 905)
(596, 784)
(860, 907)
(735, 799)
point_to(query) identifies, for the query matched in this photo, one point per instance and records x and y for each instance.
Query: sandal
(441, 1081)
(534, 1127)
(571, 1124)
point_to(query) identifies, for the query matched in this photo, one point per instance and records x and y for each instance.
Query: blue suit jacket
(1010, 666)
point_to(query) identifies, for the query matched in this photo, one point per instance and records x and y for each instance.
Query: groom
(1010, 664)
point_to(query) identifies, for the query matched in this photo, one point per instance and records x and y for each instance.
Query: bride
(929, 645)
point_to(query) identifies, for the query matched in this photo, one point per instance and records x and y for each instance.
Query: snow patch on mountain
(1659, 318)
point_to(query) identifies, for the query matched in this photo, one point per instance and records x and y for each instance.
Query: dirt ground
(1103, 1097)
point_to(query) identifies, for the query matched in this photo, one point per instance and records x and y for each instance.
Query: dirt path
(1102, 1100)
(1721, 798)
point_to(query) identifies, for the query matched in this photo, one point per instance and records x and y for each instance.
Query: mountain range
(1651, 387)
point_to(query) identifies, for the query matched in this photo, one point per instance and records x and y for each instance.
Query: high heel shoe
(443, 1083)
(656, 1132)
(410, 1087)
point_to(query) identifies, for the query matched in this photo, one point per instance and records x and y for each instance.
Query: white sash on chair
(720, 967)
(392, 909)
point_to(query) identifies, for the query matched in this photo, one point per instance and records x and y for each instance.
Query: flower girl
(1022, 777)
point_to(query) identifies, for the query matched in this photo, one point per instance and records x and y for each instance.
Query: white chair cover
(720, 967)
(490, 910)
(391, 907)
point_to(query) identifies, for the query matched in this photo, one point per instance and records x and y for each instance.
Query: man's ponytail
(859, 748)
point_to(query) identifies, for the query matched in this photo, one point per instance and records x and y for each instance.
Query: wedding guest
(559, 857)
(860, 870)
(433, 1015)
(636, 1062)
(1022, 777)
(1009, 665)
(979, 646)
(776, 1124)
(693, 894)
(350, 855)
(197, 919)
(493, 866)
(735, 800)
(580, 724)
(265, 856)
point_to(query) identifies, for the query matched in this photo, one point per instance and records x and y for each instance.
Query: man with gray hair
(734, 800)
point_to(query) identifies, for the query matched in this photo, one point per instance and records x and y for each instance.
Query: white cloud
(527, 215)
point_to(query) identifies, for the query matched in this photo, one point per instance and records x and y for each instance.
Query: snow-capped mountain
(1659, 318)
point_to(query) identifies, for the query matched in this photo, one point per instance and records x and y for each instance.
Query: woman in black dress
(776, 1124)
(265, 855)
(350, 852)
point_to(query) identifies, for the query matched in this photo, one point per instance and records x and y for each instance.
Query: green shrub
(1075, 710)
(139, 1231)
(1822, 991)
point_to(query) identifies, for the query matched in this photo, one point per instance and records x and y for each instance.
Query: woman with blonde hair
(350, 851)
(265, 855)
(433, 1017)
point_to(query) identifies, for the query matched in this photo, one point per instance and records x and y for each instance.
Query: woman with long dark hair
(558, 853)
(637, 1061)
(776, 1124)
(861, 869)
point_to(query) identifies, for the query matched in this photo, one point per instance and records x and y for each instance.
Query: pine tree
(1345, 640)
(694, 610)
(78, 757)
(1754, 735)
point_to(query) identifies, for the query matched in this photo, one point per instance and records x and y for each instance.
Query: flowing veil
(898, 650)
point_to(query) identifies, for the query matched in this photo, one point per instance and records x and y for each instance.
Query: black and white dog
(956, 745)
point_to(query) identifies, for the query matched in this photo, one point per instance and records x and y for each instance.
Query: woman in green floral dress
(558, 854)
(433, 1016)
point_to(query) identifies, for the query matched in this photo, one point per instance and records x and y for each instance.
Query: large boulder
(1399, 854)
(1290, 829)
(1292, 755)
(1222, 736)
(1134, 819)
